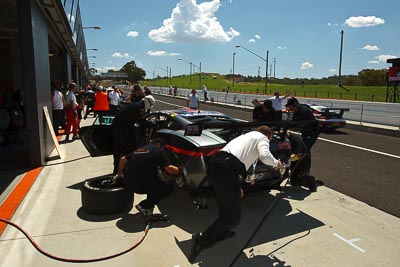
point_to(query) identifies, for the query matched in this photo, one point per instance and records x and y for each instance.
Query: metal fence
(360, 111)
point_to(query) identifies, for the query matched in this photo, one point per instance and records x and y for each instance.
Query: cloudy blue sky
(302, 36)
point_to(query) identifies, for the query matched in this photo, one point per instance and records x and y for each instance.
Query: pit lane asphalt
(367, 176)
(325, 228)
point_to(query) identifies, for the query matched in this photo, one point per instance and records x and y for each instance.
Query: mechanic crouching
(139, 173)
(224, 172)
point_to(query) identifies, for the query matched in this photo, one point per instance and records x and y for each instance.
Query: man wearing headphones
(302, 112)
(309, 136)
(125, 136)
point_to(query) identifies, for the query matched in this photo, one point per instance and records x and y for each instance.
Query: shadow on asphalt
(282, 222)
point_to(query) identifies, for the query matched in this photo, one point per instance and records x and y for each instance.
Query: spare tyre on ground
(101, 195)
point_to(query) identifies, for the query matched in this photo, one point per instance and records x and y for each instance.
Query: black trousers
(155, 188)
(223, 172)
(58, 119)
(123, 142)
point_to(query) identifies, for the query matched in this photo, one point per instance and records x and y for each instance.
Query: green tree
(371, 77)
(135, 74)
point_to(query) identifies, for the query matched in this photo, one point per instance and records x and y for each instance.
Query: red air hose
(45, 253)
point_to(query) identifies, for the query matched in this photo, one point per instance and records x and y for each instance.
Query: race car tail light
(204, 152)
(315, 111)
(207, 152)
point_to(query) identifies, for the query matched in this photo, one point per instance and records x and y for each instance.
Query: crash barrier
(359, 111)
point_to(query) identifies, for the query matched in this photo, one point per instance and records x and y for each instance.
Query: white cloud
(117, 54)
(385, 57)
(121, 55)
(132, 34)
(105, 69)
(281, 47)
(257, 36)
(332, 70)
(251, 41)
(332, 24)
(360, 21)
(373, 62)
(192, 23)
(306, 65)
(161, 53)
(370, 47)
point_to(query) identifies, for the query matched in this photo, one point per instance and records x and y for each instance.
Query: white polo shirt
(249, 147)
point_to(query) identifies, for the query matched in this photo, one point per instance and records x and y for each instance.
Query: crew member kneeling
(139, 172)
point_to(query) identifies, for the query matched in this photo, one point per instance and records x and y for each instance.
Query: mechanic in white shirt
(113, 99)
(224, 171)
(193, 100)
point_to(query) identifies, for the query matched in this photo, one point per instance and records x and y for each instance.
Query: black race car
(191, 151)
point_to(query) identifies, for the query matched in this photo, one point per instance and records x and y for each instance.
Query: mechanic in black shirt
(125, 138)
(302, 112)
(310, 134)
(265, 112)
(139, 172)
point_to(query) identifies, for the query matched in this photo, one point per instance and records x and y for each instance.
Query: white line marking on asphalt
(361, 148)
(350, 242)
(327, 140)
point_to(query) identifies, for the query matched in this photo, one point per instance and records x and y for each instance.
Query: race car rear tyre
(102, 196)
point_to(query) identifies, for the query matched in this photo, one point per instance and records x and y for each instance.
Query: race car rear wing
(195, 129)
(338, 111)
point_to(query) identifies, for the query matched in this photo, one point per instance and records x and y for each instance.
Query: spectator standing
(175, 90)
(113, 98)
(101, 102)
(205, 92)
(193, 101)
(72, 115)
(80, 99)
(57, 103)
(149, 98)
(277, 102)
(89, 100)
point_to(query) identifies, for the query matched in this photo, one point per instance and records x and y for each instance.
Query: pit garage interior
(38, 47)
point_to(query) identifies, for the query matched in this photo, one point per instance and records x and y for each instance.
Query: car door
(98, 138)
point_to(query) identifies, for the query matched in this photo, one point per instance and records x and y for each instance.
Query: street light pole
(266, 73)
(340, 59)
(92, 27)
(266, 65)
(233, 71)
(191, 64)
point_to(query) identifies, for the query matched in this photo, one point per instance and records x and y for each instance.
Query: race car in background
(329, 118)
